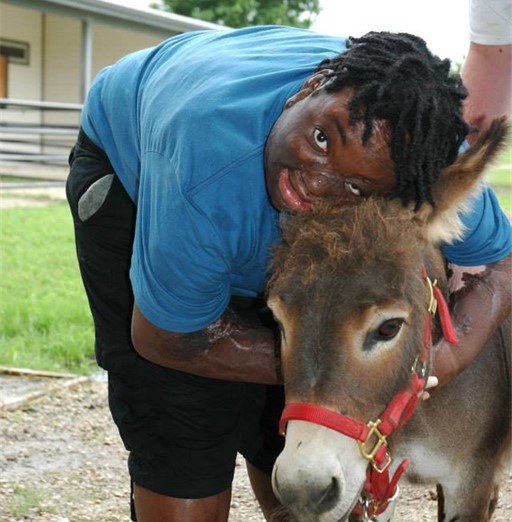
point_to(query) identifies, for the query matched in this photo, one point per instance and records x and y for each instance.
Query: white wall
(61, 69)
(54, 69)
(23, 25)
(111, 43)
(23, 81)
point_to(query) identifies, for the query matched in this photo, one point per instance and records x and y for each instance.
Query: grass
(500, 177)
(44, 320)
(27, 500)
(14, 179)
(44, 317)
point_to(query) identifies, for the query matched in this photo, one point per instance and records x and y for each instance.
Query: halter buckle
(369, 452)
(420, 368)
(431, 300)
(366, 510)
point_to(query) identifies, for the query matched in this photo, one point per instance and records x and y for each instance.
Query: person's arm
(229, 349)
(487, 74)
(480, 306)
(487, 70)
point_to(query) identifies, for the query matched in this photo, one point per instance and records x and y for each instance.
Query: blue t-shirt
(184, 125)
(488, 236)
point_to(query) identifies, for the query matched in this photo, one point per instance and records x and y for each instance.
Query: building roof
(100, 11)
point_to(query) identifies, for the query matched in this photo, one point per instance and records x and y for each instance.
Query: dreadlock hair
(397, 79)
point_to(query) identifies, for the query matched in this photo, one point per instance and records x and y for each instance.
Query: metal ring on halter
(395, 494)
(421, 368)
(365, 503)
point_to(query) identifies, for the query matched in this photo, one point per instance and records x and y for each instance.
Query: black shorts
(182, 431)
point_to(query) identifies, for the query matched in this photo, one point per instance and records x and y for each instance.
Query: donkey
(350, 288)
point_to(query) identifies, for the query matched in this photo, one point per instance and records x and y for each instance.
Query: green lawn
(44, 319)
(500, 177)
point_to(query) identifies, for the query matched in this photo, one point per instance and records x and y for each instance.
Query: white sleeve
(490, 22)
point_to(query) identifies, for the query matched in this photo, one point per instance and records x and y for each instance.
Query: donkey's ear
(459, 182)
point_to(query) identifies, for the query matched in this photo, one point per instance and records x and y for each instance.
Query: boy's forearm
(229, 349)
(479, 309)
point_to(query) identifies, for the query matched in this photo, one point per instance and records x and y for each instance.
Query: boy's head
(382, 118)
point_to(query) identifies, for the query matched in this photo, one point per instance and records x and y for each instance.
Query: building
(50, 50)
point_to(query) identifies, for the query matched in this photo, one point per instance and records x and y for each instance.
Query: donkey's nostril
(330, 496)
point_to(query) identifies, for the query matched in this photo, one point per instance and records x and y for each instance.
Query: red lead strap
(437, 303)
(444, 316)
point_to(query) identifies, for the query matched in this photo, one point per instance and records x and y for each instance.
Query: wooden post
(3, 76)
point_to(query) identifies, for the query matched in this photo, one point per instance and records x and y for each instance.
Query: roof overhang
(101, 12)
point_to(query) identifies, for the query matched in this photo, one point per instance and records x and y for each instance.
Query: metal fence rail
(37, 131)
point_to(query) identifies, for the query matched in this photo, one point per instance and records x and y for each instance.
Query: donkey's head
(348, 293)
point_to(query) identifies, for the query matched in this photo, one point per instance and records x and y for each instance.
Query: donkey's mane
(368, 234)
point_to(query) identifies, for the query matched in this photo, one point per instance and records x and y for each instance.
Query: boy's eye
(353, 189)
(320, 139)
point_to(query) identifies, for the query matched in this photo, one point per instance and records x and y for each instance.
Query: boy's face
(313, 153)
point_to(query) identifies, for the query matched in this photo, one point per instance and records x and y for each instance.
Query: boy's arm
(480, 306)
(229, 349)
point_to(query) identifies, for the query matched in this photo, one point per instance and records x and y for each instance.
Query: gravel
(61, 460)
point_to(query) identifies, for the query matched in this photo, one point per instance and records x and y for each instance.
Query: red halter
(379, 490)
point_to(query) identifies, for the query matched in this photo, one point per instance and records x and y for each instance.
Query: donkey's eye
(389, 329)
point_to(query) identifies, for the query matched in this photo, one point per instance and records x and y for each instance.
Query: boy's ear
(310, 85)
(459, 182)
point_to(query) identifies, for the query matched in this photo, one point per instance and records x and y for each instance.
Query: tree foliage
(241, 13)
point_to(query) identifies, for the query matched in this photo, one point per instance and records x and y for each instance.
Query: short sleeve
(490, 22)
(179, 274)
(488, 236)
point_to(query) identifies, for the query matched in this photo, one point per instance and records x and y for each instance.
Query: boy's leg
(260, 464)
(152, 507)
(261, 484)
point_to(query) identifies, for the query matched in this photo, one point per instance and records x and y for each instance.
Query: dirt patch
(61, 460)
